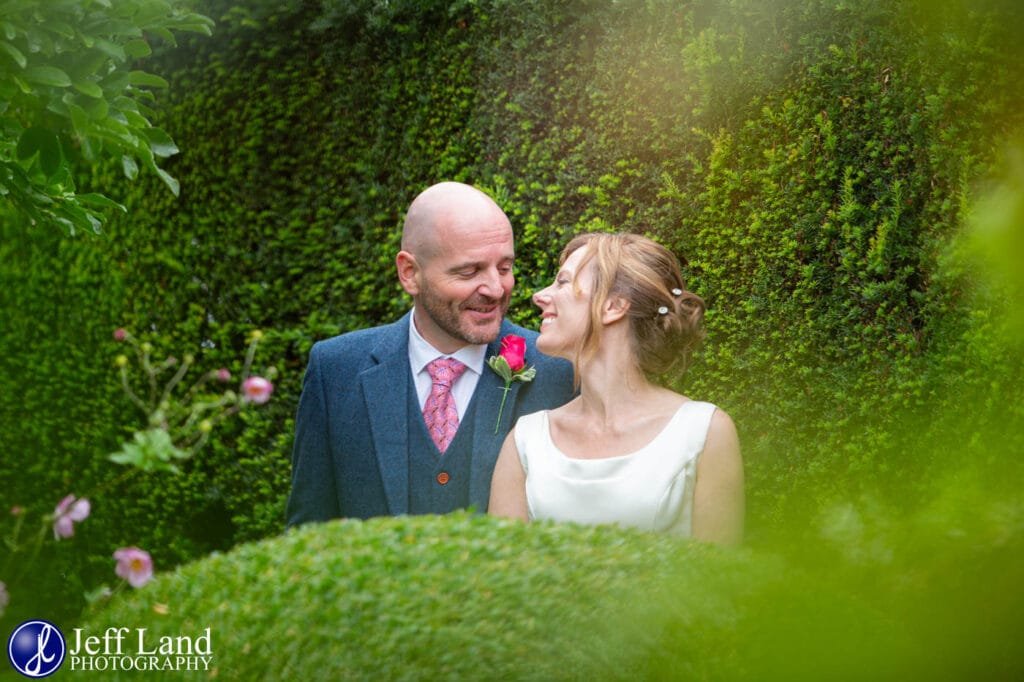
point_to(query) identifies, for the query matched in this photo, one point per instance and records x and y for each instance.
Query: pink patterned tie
(439, 412)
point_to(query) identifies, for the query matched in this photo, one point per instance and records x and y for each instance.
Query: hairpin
(677, 292)
(663, 310)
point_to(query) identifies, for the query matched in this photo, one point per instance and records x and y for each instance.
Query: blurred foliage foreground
(467, 597)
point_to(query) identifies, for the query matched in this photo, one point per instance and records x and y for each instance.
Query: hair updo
(666, 320)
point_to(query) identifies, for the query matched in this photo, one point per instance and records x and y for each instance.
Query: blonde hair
(666, 320)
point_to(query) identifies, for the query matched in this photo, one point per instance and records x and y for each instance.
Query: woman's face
(565, 307)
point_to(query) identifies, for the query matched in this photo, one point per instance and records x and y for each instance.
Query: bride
(625, 450)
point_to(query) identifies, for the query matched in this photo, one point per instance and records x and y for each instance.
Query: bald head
(456, 262)
(445, 212)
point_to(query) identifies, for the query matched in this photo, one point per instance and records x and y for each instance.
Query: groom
(400, 419)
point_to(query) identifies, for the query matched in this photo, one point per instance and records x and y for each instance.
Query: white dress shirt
(421, 353)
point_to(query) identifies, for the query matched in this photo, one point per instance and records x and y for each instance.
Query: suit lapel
(386, 392)
(487, 443)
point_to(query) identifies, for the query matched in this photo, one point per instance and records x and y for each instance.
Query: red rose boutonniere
(510, 364)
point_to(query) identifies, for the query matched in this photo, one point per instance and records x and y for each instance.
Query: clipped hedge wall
(812, 161)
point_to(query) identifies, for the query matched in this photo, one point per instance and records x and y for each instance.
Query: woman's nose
(541, 298)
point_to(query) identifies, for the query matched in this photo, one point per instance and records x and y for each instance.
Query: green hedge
(464, 598)
(812, 161)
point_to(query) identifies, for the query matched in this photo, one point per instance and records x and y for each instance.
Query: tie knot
(445, 371)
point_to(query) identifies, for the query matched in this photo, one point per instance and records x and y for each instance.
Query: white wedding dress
(651, 488)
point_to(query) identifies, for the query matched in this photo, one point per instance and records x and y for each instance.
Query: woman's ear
(408, 271)
(615, 308)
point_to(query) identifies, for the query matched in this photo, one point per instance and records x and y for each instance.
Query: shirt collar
(421, 352)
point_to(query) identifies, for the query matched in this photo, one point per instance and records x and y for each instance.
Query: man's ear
(615, 309)
(408, 272)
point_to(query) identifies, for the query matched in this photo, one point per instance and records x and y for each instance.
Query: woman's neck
(612, 387)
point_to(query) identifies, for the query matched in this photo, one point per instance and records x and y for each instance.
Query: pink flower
(69, 511)
(120, 334)
(257, 390)
(134, 565)
(510, 365)
(223, 375)
(513, 349)
(17, 510)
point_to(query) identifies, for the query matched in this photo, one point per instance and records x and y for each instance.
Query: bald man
(403, 418)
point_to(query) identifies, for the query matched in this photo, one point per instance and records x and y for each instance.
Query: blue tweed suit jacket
(350, 457)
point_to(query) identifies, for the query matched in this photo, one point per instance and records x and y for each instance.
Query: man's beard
(446, 315)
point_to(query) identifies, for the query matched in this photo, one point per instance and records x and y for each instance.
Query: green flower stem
(130, 393)
(508, 386)
(11, 541)
(37, 544)
(151, 374)
(178, 376)
(249, 355)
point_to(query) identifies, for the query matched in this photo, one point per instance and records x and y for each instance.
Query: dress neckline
(638, 451)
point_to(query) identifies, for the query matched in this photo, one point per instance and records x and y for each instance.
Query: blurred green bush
(467, 597)
(813, 161)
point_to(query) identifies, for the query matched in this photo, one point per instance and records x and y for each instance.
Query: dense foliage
(71, 88)
(813, 161)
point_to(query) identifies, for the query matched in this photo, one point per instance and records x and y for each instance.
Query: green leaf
(169, 180)
(89, 88)
(137, 48)
(202, 28)
(47, 75)
(22, 85)
(135, 120)
(500, 365)
(36, 139)
(148, 79)
(14, 53)
(97, 108)
(165, 36)
(117, 130)
(525, 375)
(131, 169)
(99, 201)
(112, 50)
(51, 160)
(79, 216)
(79, 118)
(160, 142)
(61, 28)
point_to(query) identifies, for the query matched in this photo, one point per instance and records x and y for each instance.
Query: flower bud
(223, 375)
(257, 390)
(513, 349)
(255, 335)
(206, 426)
(147, 347)
(120, 334)
(121, 361)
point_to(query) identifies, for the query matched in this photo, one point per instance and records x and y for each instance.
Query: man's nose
(492, 285)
